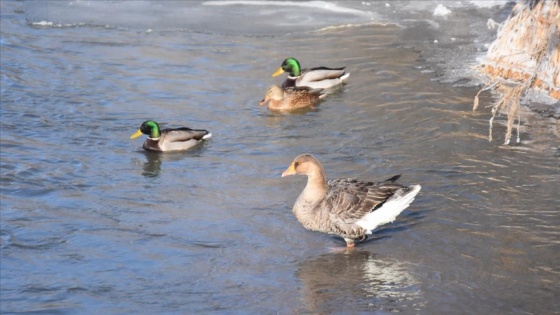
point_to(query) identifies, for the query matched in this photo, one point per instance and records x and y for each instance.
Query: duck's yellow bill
(136, 134)
(290, 171)
(278, 72)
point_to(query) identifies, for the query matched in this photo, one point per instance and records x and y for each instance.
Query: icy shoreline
(452, 37)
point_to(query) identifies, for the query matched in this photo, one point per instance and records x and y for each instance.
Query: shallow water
(92, 224)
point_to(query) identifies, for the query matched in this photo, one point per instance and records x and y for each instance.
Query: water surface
(90, 223)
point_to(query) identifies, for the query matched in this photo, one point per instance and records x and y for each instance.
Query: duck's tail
(390, 209)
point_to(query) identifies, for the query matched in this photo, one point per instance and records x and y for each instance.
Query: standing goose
(348, 208)
(291, 98)
(173, 139)
(316, 78)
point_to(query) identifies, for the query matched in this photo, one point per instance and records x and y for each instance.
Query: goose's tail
(389, 211)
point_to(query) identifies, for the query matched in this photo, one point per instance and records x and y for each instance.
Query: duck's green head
(290, 65)
(150, 128)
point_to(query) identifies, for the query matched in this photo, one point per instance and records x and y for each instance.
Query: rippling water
(92, 224)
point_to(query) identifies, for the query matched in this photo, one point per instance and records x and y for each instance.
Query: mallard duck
(173, 139)
(317, 78)
(291, 98)
(348, 208)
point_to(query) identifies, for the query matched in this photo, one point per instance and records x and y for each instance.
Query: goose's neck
(306, 209)
(316, 188)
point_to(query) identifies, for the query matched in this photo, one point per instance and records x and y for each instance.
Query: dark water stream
(91, 224)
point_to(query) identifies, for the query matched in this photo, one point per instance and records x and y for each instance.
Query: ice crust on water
(488, 3)
(325, 5)
(269, 17)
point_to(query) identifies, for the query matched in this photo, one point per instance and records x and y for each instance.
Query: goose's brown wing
(349, 200)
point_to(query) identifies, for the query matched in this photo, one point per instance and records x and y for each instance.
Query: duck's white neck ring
(155, 139)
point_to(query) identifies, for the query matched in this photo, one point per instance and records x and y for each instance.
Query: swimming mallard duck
(346, 207)
(317, 78)
(291, 98)
(174, 139)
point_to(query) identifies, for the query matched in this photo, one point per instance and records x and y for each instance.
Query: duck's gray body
(178, 139)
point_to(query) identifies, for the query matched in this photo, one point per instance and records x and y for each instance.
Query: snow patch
(441, 10)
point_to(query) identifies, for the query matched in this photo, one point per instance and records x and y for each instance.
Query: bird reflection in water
(357, 281)
(154, 161)
(152, 167)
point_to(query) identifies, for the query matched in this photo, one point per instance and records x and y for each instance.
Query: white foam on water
(42, 23)
(49, 24)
